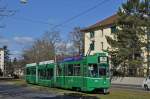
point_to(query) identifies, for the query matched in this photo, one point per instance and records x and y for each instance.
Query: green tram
(89, 73)
(31, 73)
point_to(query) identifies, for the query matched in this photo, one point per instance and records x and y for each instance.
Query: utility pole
(4, 71)
(147, 20)
(55, 67)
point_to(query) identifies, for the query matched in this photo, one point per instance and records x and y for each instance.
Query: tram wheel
(105, 91)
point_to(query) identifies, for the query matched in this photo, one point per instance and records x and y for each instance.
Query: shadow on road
(10, 91)
(67, 97)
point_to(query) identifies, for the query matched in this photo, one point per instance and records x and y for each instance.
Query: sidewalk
(127, 86)
(5, 78)
(127, 82)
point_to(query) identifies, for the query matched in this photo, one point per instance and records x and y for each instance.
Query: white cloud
(23, 40)
(16, 52)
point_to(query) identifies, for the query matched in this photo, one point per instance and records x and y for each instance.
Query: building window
(113, 29)
(92, 34)
(102, 33)
(92, 45)
(102, 45)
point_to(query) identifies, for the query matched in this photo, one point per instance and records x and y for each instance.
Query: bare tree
(77, 39)
(18, 67)
(40, 51)
(53, 38)
(62, 48)
(43, 49)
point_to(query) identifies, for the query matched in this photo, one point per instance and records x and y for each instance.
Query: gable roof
(104, 23)
(1, 49)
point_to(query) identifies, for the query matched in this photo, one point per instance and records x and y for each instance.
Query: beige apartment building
(2, 59)
(94, 35)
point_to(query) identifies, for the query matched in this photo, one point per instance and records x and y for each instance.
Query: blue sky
(31, 20)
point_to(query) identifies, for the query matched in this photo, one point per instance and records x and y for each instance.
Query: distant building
(1, 59)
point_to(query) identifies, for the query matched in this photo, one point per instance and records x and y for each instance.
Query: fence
(127, 80)
(132, 72)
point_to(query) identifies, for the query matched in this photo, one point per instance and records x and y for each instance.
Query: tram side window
(93, 70)
(76, 69)
(44, 74)
(33, 71)
(65, 72)
(39, 71)
(59, 71)
(50, 73)
(41, 74)
(28, 71)
(70, 70)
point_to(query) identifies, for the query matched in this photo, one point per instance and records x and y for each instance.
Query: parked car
(146, 83)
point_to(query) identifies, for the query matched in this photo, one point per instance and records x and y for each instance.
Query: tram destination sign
(102, 59)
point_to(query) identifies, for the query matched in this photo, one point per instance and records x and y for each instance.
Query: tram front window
(93, 70)
(96, 71)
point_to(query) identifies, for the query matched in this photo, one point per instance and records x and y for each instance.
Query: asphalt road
(10, 91)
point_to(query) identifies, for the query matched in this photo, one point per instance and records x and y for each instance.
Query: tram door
(64, 74)
(103, 71)
(84, 73)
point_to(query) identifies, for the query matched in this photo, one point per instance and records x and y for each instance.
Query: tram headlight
(104, 82)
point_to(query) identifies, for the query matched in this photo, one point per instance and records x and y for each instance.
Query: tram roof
(46, 62)
(71, 59)
(78, 58)
(31, 64)
(102, 54)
